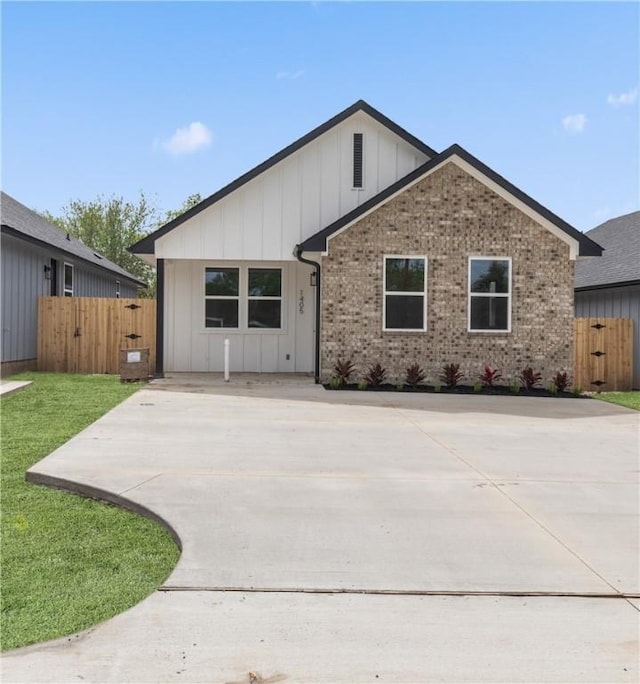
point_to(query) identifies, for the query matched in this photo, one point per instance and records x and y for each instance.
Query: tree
(191, 201)
(109, 226)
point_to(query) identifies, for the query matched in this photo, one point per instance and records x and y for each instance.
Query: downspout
(298, 254)
(159, 372)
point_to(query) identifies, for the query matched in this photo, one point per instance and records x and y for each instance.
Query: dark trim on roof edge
(606, 286)
(42, 243)
(318, 242)
(146, 245)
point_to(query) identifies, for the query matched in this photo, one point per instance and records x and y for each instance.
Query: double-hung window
(489, 294)
(243, 298)
(405, 293)
(264, 298)
(222, 297)
(68, 280)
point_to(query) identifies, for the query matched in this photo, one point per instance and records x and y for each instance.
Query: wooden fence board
(86, 334)
(603, 354)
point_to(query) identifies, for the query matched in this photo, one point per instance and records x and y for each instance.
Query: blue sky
(173, 98)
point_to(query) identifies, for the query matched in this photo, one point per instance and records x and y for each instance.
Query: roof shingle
(620, 261)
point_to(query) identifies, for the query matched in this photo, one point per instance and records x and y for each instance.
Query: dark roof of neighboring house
(318, 242)
(146, 245)
(24, 223)
(620, 263)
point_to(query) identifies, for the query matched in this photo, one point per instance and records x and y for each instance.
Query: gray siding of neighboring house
(614, 302)
(23, 281)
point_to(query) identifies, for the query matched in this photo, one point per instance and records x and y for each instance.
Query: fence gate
(603, 354)
(86, 334)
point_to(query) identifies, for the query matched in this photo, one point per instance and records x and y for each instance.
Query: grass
(629, 399)
(67, 562)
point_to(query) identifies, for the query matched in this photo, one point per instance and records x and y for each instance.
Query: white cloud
(187, 140)
(574, 123)
(624, 99)
(290, 75)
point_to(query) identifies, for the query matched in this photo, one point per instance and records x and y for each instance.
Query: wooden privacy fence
(86, 334)
(603, 354)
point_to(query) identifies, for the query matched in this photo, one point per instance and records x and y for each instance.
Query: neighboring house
(610, 287)
(39, 259)
(358, 241)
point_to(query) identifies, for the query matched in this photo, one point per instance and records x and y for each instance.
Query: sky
(175, 98)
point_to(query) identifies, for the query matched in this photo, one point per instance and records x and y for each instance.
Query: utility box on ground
(134, 364)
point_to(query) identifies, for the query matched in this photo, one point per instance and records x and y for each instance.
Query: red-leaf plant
(489, 376)
(561, 381)
(343, 370)
(529, 378)
(414, 375)
(375, 375)
(451, 375)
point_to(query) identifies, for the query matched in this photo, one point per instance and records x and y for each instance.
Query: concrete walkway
(8, 387)
(364, 537)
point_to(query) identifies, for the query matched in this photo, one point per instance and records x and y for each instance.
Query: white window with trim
(489, 308)
(405, 293)
(68, 280)
(244, 298)
(117, 289)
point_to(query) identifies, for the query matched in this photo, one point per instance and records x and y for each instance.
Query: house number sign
(301, 302)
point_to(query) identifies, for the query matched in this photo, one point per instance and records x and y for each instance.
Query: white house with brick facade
(360, 241)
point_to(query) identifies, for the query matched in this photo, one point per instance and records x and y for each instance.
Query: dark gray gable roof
(22, 222)
(318, 242)
(620, 263)
(146, 245)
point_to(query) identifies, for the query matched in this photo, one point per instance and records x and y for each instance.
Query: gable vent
(357, 160)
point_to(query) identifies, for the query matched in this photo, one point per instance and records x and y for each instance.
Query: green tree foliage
(109, 226)
(191, 201)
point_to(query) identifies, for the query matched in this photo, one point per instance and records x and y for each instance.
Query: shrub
(477, 387)
(414, 375)
(489, 376)
(437, 387)
(335, 383)
(363, 384)
(451, 375)
(576, 391)
(552, 389)
(343, 371)
(514, 387)
(375, 375)
(529, 378)
(400, 387)
(561, 381)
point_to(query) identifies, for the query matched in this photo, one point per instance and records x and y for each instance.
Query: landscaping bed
(500, 390)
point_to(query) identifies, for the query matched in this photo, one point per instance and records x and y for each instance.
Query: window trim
(243, 299)
(67, 291)
(423, 294)
(508, 295)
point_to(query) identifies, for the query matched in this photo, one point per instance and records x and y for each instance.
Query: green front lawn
(66, 562)
(629, 399)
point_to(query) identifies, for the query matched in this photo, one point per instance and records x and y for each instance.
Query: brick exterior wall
(448, 217)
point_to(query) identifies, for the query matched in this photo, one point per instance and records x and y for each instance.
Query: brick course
(448, 217)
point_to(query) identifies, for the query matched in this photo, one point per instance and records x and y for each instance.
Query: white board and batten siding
(294, 199)
(259, 225)
(191, 347)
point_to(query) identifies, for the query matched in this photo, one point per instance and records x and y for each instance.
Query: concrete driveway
(364, 537)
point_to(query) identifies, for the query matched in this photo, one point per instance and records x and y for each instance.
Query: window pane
(405, 312)
(265, 282)
(221, 281)
(68, 276)
(221, 313)
(489, 313)
(489, 275)
(264, 313)
(404, 275)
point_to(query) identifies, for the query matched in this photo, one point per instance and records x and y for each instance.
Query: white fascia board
(492, 185)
